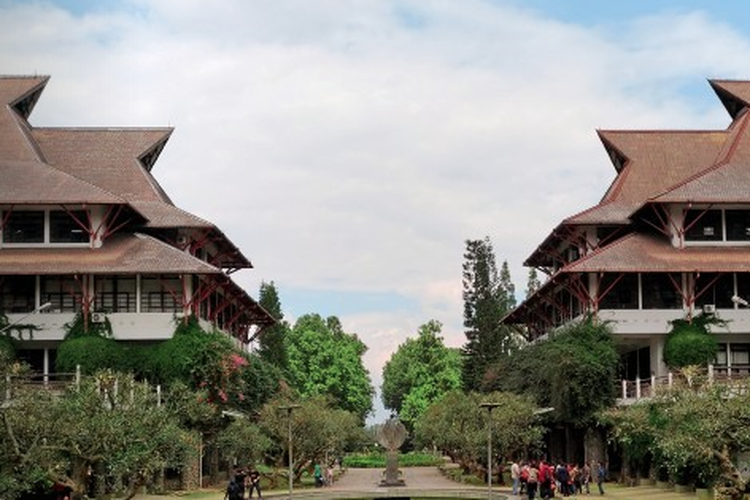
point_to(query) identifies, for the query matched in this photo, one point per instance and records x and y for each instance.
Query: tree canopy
(325, 360)
(109, 422)
(693, 432)
(574, 371)
(457, 425)
(419, 373)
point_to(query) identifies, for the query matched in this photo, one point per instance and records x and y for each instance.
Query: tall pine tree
(533, 284)
(272, 348)
(487, 298)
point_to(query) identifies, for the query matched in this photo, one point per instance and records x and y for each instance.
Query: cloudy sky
(350, 147)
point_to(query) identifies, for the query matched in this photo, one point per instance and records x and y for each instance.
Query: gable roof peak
(21, 92)
(734, 94)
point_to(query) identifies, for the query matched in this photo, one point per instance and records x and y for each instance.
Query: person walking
(254, 482)
(515, 476)
(533, 481)
(601, 472)
(586, 479)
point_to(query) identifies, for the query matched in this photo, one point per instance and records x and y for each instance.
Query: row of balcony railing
(648, 387)
(57, 382)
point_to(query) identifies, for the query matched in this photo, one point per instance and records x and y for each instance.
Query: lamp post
(489, 407)
(289, 409)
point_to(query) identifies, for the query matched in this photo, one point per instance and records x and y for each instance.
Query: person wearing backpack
(234, 491)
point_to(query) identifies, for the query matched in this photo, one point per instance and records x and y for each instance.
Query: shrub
(7, 349)
(690, 342)
(92, 353)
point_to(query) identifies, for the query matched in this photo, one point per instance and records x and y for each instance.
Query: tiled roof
(15, 88)
(726, 181)
(160, 214)
(650, 254)
(121, 254)
(33, 182)
(734, 94)
(107, 157)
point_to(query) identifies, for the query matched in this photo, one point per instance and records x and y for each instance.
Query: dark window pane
(703, 225)
(738, 225)
(63, 227)
(618, 291)
(714, 289)
(17, 294)
(659, 291)
(24, 227)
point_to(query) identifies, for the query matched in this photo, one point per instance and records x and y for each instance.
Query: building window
(161, 294)
(714, 289)
(65, 227)
(17, 294)
(738, 225)
(61, 291)
(115, 294)
(703, 225)
(620, 291)
(721, 355)
(660, 292)
(24, 226)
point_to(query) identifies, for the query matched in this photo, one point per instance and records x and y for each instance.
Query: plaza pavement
(431, 481)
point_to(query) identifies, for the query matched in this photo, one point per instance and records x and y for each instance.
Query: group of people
(546, 480)
(242, 479)
(320, 479)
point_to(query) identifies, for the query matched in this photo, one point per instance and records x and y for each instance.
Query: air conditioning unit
(98, 317)
(709, 308)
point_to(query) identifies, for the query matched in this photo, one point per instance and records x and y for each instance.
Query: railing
(56, 382)
(647, 388)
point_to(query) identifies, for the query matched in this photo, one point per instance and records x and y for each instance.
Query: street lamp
(489, 407)
(740, 301)
(289, 409)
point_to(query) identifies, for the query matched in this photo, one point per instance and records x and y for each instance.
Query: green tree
(457, 425)
(692, 432)
(243, 442)
(319, 430)
(690, 341)
(574, 371)
(419, 373)
(272, 347)
(325, 360)
(110, 423)
(532, 283)
(487, 298)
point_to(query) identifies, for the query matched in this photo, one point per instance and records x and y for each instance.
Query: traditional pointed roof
(108, 157)
(726, 181)
(21, 92)
(734, 94)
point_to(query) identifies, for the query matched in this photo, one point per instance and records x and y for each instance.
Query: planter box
(645, 481)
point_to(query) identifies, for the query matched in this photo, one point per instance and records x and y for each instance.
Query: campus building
(86, 228)
(670, 238)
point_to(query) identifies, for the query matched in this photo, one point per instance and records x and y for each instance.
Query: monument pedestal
(391, 470)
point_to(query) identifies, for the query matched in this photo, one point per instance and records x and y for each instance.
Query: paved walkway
(428, 481)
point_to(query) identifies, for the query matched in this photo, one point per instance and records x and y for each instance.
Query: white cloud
(355, 146)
